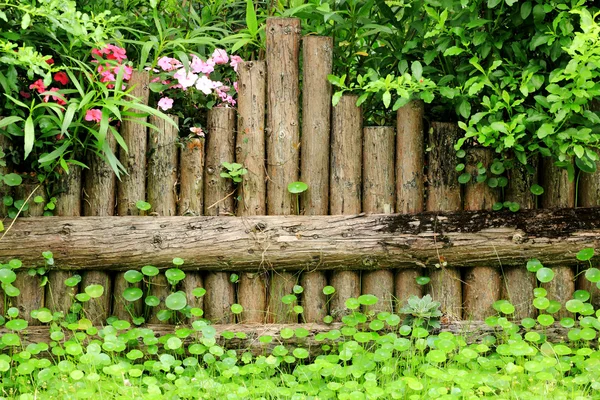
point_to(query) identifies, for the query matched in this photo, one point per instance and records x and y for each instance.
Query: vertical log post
(5, 190)
(219, 200)
(317, 52)
(162, 178)
(378, 197)
(283, 141)
(162, 167)
(444, 194)
(558, 193)
(191, 202)
(482, 284)
(345, 187)
(132, 187)
(518, 282)
(250, 152)
(59, 297)
(99, 184)
(32, 296)
(31, 188)
(191, 177)
(410, 182)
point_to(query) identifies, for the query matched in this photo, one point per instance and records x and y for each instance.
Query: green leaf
(536, 189)
(25, 21)
(335, 99)
(297, 187)
(29, 135)
(453, 51)
(251, 21)
(9, 121)
(94, 291)
(526, 9)
(387, 98)
(464, 178)
(176, 301)
(417, 70)
(544, 275)
(585, 254)
(142, 205)
(132, 294)
(12, 179)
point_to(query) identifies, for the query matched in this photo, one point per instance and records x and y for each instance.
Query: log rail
(287, 243)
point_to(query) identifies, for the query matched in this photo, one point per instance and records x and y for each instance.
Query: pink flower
(186, 80)
(156, 79)
(168, 64)
(235, 86)
(230, 100)
(219, 56)
(57, 99)
(50, 61)
(165, 103)
(93, 114)
(205, 85)
(199, 66)
(118, 53)
(25, 94)
(127, 71)
(197, 130)
(235, 60)
(38, 85)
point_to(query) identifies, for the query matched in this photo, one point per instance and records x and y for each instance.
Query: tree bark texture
(252, 296)
(162, 167)
(99, 184)
(282, 284)
(192, 281)
(444, 194)
(410, 158)
(218, 298)
(122, 308)
(316, 122)
(97, 310)
(5, 190)
(481, 284)
(58, 296)
(379, 195)
(132, 186)
(31, 296)
(250, 141)
(405, 285)
(191, 177)
(283, 129)
(69, 187)
(29, 189)
(292, 243)
(520, 180)
(218, 191)
(159, 287)
(314, 301)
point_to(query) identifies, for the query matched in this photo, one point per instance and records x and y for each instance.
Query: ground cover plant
(370, 355)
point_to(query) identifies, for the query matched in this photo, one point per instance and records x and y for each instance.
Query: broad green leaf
(29, 135)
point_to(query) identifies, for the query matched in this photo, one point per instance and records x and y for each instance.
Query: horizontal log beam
(471, 331)
(462, 239)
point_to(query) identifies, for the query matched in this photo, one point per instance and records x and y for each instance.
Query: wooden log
(378, 197)
(31, 296)
(218, 191)
(316, 122)
(314, 301)
(558, 192)
(294, 243)
(250, 141)
(589, 189)
(69, 188)
(161, 289)
(410, 158)
(219, 298)
(97, 310)
(252, 296)
(518, 288)
(191, 177)
(99, 184)
(122, 308)
(471, 331)
(520, 180)
(132, 186)
(444, 194)
(482, 284)
(283, 130)
(250, 152)
(5, 190)
(191, 203)
(162, 166)
(281, 284)
(218, 200)
(405, 285)
(317, 58)
(192, 281)
(345, 187)
(58, 296)
(519, 283)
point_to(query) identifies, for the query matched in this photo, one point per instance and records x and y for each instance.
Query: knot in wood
(518, 237)
(260, 226)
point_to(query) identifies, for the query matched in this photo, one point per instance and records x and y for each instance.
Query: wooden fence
(350, 169)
